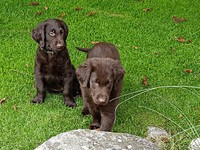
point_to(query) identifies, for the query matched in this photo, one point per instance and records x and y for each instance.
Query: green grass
(124, 24)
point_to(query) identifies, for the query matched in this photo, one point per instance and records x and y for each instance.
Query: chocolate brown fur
(53, 68)
(100, 78)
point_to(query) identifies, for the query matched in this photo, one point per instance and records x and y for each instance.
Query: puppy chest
(56, 69)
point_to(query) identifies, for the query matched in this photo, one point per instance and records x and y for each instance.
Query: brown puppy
(100, 77)
(53, 68)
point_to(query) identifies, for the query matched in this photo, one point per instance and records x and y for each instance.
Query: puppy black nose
(102, 99)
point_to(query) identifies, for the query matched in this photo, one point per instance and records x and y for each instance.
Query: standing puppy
(53, 68)
(100, 78)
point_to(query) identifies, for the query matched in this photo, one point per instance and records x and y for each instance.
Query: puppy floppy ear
(118, 72)
(83, 74)
(66, 30)
(38, 35)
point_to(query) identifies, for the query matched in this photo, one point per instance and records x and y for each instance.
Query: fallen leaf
(61, 15)
(156, 53)
(78, 8)
(145, 81)
(147, 9)
(38, 13)
(2, 100)
(94, 43)
(188, 70)
(182, 40)
(91, 13)
(177, 20)
(34, 3)
(15, 107)
(135, 47)
(165, 139)
(46, 7)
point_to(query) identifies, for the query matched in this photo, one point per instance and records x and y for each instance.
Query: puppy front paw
(37, 100)
(70, 103)
(94, 126)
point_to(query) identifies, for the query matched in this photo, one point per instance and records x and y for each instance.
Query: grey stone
(96, 140)
(195, 144)
(158, 136)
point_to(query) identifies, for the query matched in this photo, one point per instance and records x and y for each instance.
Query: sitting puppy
(53, 69)
(100, 78)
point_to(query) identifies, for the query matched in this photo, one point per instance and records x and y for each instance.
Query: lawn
(158, 41)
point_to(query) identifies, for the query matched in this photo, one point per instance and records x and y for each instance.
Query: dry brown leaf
(182, 40)
(15, 107)
(91, 13)
(61, 15)
(135, 47)
(38, 13)
(2, 100)
(165, 139)
(78, 8)
(94, 42)
(177, 20)
(147, 9)
(145, 81)
(188, 70)
(34, 3)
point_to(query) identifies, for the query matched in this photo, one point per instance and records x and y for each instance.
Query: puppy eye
(61, 31)
(52, 33)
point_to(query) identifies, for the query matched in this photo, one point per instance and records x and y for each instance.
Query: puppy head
(101, 76)
(51, 35)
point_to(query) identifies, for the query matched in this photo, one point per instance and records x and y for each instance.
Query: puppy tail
(83, 49)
